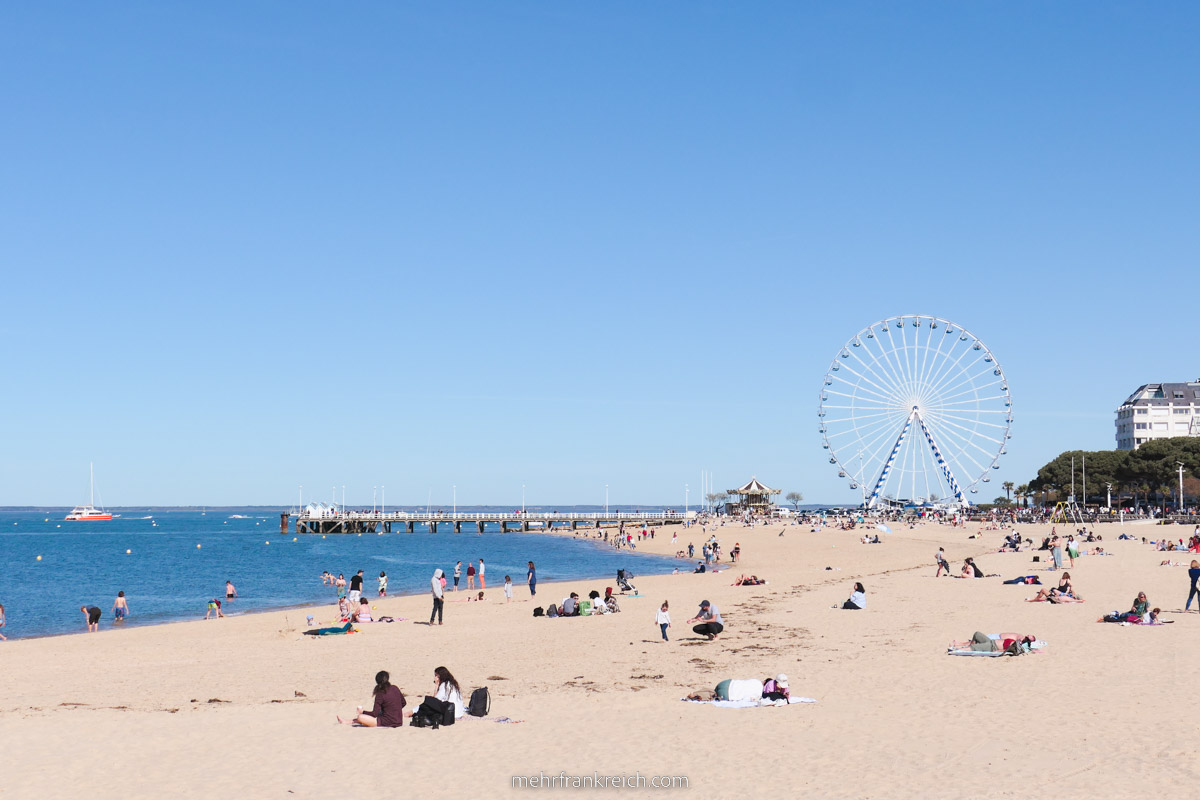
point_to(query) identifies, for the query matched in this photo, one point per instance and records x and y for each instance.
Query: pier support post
(481, 524)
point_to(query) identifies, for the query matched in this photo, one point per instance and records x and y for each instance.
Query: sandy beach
(246, 706)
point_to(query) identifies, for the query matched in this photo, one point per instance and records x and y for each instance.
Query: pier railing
(330, 521)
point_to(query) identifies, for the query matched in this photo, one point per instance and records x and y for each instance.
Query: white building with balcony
(1158, 411)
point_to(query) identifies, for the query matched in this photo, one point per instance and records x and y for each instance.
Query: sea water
(167, 577)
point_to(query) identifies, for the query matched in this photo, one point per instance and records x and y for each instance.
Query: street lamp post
(1180, 465)
(454, 506)
(343, 499)
(301, 506)
(522, 498)
(374, 495)
(383, 498)
(685, 498)
(1109, 485)
(606, 499)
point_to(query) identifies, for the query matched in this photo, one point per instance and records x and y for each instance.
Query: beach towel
(1033, 648)
(347, 628)
(751, 703)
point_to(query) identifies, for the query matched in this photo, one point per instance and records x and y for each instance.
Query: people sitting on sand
(970, 569)
(570, 606)
(993, 642)
(858, 599)
(753, 580)
(699, 567)
(363, 612)
(710, 622)
(388, 711)
(610, 602)
(1032, 580)
(447, 690)
(1065, 593)
(1138, 610)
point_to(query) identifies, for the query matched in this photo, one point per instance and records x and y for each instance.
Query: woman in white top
(448, 691)
(858, 599)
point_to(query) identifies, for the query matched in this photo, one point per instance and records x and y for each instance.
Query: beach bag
(539, 612)
(481, 703)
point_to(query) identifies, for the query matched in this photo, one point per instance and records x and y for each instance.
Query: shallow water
(166, 577)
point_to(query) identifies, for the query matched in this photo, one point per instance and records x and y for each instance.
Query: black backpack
(481, 703)
(433, 713)
(539, 612)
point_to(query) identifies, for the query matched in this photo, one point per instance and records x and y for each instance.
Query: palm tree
(1022, 493)
(1008, 487)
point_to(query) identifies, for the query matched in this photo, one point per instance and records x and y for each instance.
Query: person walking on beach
(691, 550)
(356, 589)
(508, 588)
(531, 579)
(711, 623)
(340, 583)
(663, 618)
(482, 579)
(230, 592)
(470, 575)
(457, 574)
(92, 614)
(438, 600)
(120, 607)
(942, 563)
(1193, 573)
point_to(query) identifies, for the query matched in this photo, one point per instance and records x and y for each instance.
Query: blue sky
(567, 245)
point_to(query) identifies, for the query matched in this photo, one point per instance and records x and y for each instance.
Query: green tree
(1002, 501)
(1022, 493)
(795, 498)
(1008, 487)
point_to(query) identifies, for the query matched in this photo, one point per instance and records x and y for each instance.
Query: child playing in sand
(508, 588)
(663, 618)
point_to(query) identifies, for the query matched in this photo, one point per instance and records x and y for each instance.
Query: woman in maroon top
(389, 706)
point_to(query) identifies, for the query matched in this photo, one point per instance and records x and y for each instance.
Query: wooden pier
(378, 522)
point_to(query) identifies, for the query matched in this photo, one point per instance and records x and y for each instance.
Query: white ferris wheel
(915, 409)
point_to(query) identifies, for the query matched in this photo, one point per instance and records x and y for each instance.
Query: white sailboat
(89, 512)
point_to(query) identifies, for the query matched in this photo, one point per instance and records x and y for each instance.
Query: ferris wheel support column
(941, 462)
(887, 465)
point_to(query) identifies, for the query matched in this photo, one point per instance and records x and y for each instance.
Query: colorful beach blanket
(347, 628)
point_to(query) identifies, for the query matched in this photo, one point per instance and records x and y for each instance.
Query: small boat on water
(89, 512)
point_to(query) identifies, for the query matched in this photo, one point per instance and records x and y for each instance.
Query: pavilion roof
(754, 487)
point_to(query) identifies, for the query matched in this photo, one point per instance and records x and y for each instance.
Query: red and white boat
(89, 512)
